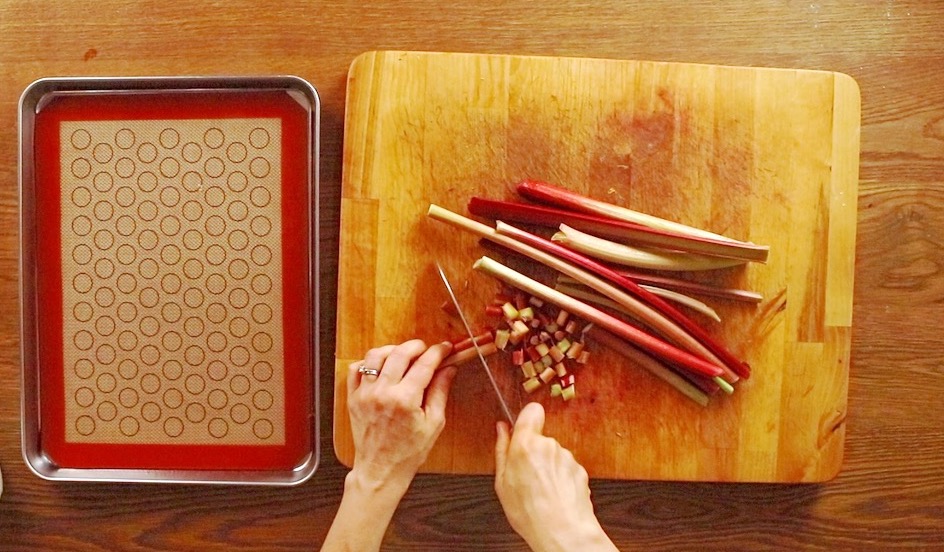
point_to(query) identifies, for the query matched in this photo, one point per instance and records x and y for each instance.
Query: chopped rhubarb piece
(501, 338)
(526, 314)
(567, 380)
(547, 375)
(584, 357)
(571, 327)
(510, 312)
(517, 357)
(535, 302)
(533, 353)
(560, 369)
(575, 350)
(555, 389)
(493, 310)
(569, 392)
(555, 353)
(527, 368)
(564, 345)
(531, 384)
(542, 349)
(562, 317)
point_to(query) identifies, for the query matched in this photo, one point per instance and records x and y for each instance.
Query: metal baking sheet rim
(30, 101)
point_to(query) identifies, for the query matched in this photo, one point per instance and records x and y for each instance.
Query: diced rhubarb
(646, 341)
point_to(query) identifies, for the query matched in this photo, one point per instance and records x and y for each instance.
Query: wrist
(585, 535)
(362, 481)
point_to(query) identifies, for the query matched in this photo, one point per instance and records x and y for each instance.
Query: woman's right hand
(544, 491)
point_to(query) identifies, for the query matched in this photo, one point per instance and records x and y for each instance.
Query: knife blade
(468, 329)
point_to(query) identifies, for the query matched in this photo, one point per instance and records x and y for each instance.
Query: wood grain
(763, 155)
(887, 496)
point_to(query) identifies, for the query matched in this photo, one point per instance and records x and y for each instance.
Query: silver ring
(365, 371)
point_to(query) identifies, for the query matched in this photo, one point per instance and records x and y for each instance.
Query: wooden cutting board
(766, 155)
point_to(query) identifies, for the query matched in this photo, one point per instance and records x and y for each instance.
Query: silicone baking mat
(173, 280)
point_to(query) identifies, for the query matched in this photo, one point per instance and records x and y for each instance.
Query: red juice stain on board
(91, 53)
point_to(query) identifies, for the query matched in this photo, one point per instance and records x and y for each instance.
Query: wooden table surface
(890, 493)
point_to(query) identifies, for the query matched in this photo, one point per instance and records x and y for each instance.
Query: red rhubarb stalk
(636, 336)
(619, 230)
(555, 195)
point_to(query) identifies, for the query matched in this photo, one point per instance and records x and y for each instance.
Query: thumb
(501, 448)
(531, 419)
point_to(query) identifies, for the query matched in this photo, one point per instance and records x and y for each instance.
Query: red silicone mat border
(296, 263)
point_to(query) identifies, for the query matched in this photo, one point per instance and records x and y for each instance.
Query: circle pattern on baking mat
(171, 281)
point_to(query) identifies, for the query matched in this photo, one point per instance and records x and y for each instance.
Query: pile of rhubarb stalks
(602, 253)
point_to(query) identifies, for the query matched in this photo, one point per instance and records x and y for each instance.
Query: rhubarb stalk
(585, 294)
(555, 195)
(627, 255)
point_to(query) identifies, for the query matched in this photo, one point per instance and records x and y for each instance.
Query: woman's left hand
(397, 414)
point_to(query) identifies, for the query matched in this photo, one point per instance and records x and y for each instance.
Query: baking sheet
(168, 222)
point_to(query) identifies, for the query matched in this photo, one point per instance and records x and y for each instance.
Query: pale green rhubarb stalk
(693, 287)
(643, 340)
(694, 304)
(627, 255)
(639, 309)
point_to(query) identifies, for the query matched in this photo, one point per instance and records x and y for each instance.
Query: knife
(468, 329)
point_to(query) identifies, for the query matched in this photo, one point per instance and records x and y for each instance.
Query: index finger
(421, 371)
